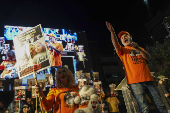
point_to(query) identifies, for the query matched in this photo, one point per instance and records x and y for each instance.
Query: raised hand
(109, 26)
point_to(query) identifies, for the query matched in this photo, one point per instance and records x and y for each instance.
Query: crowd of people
(65, 97)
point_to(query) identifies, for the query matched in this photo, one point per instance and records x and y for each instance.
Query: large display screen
(75, 52)
(66, 37)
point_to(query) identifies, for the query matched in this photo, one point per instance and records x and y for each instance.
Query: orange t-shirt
(135, 66)
(62, 99)
(113, 104)
(55, 58)
(7, 64)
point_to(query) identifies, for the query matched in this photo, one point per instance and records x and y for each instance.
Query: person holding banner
(139, 78)
(63, 96)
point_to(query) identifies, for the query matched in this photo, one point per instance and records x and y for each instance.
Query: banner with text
(31, 52)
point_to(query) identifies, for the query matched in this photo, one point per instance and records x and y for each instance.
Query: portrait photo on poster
(30, 83)
(20, 93)
(33, 92)
(49, 80)
(17, 82)
(82, 82)
(41, 83)
(31, 51)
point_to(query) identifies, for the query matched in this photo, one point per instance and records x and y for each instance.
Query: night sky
(83, 15)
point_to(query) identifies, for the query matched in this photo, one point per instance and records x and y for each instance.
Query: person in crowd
(30, 104)
(62, 97)
(14, 106)
(41, 53)
(2, 107)
(25, 109)
(164, 92)
(8, 63)
(113, 103)
(55, 50)
(7, 111)
(136, 69)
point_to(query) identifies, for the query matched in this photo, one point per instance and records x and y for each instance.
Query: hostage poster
(31, 52)
(20, 93)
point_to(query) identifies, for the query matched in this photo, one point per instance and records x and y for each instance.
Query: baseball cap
(25, 106)
(122, 32)
(162, 77)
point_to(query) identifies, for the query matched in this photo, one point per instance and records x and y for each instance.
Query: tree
(160, 58)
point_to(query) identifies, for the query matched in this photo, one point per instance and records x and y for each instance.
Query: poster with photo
(79, 74)
(113, 92)
(95, 76)
(30, 83)
(5, 48)
(17, 82)
(81, 82)
(49, 80)
(70, 46)
(2, 83)
(41, 83)
(34, 94)
(81, 55)
(88, 77)
(81, 48)
(62, 35)
(2, 40)
(3, 57)
(20, 93)
(98, 86)
(31, 51)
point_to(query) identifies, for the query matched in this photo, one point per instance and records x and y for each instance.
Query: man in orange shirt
(138, 75)
(55, 50)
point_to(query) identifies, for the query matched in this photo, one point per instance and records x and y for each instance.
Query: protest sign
(31, 52)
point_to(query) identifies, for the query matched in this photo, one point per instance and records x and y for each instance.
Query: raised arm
(113, 37)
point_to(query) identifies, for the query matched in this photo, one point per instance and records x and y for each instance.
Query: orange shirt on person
(113, 103)
(62, 99)
(55, 58)
(135, 66)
